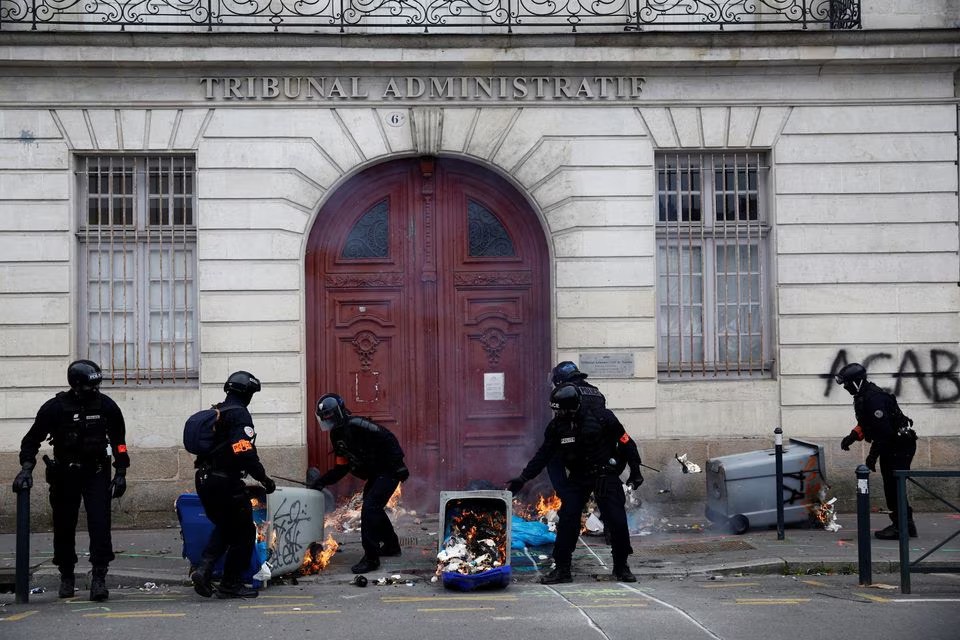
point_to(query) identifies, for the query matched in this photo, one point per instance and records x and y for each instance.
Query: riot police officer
(85, 427)
(590, 396)
(220, 486)
(587, 441)
(893, 440)
(372, 453)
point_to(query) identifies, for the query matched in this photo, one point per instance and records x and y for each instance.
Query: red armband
(624, 438)
(340, 460)
(121, 448)
(857, 430)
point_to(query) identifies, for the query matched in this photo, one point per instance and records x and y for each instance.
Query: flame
(318, 556)
(539, 510)
(394, 500)
(545, 505)
(468, 523)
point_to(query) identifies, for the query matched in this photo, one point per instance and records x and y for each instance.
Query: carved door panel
(427, 311)
(495, 336)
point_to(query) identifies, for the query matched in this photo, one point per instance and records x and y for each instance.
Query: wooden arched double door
(428, 311)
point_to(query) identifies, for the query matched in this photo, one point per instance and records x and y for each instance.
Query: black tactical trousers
(227, 504)
(608, 493)
(899, 459)
(69, 484)
(375, 526)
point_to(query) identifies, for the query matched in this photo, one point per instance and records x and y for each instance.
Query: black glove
(848, 440)
(313, 479)
(24, 479)
(402, 474)
(635, 479)
(516, 484)
(119, 483)
(269, 485)
(871, 463)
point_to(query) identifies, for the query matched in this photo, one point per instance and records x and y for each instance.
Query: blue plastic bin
(195, 529)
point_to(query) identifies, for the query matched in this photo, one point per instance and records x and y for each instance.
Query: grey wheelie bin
(741, 488)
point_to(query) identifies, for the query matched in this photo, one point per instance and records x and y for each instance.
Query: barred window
(711, 249)
(138, 241)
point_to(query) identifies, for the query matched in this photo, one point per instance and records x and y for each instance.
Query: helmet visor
(326, 424)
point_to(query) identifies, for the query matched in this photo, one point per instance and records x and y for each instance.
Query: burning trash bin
(474, 548)
(741, 488)
(288, 521)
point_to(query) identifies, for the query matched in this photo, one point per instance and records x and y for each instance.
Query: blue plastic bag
(527, 533)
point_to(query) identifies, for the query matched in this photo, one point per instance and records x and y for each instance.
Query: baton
(302, 484)
(641, 464)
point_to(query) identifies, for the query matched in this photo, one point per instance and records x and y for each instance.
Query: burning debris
(318, 556)
(686, 465)
(477, 543)
(346, 517)
(824, 511)
(545, 511)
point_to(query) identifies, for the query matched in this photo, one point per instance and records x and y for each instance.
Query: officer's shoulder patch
(878, 413)
(249, 431)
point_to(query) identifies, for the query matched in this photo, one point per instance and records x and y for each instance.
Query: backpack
(200, 431)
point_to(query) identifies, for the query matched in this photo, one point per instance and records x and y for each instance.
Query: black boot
(367, 563)
(622, 573)
(201, 578)
(235, 589)
(890, 532)
(68, 583)
(391, 550)
(559, 575)
(98, 584)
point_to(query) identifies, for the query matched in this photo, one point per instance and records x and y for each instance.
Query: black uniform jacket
(363, 448)
(235, 453)
(79, 430)
(878, 416)
(587, 442)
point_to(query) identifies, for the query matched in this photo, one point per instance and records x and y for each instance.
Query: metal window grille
(711, 247)
(138, 240)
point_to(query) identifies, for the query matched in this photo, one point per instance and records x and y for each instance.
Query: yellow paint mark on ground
(815, 583)
(276, 604)
(19, 616)
(459, 609)
(111, 613)
(439, 598)
(750, 601)
(871, 597)
(312, 612)
(134, 614)
(611, 606)
(727, 585)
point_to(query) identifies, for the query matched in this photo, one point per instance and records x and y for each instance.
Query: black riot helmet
(331, 411)
(243, 384)
(84, 376)
(852, 377)
(566, 371)
(565, 398)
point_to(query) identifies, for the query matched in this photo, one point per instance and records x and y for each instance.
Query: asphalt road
(731, 608)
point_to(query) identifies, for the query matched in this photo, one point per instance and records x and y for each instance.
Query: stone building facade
(710, 223)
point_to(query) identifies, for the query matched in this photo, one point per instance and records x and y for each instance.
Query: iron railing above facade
(426, 16)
